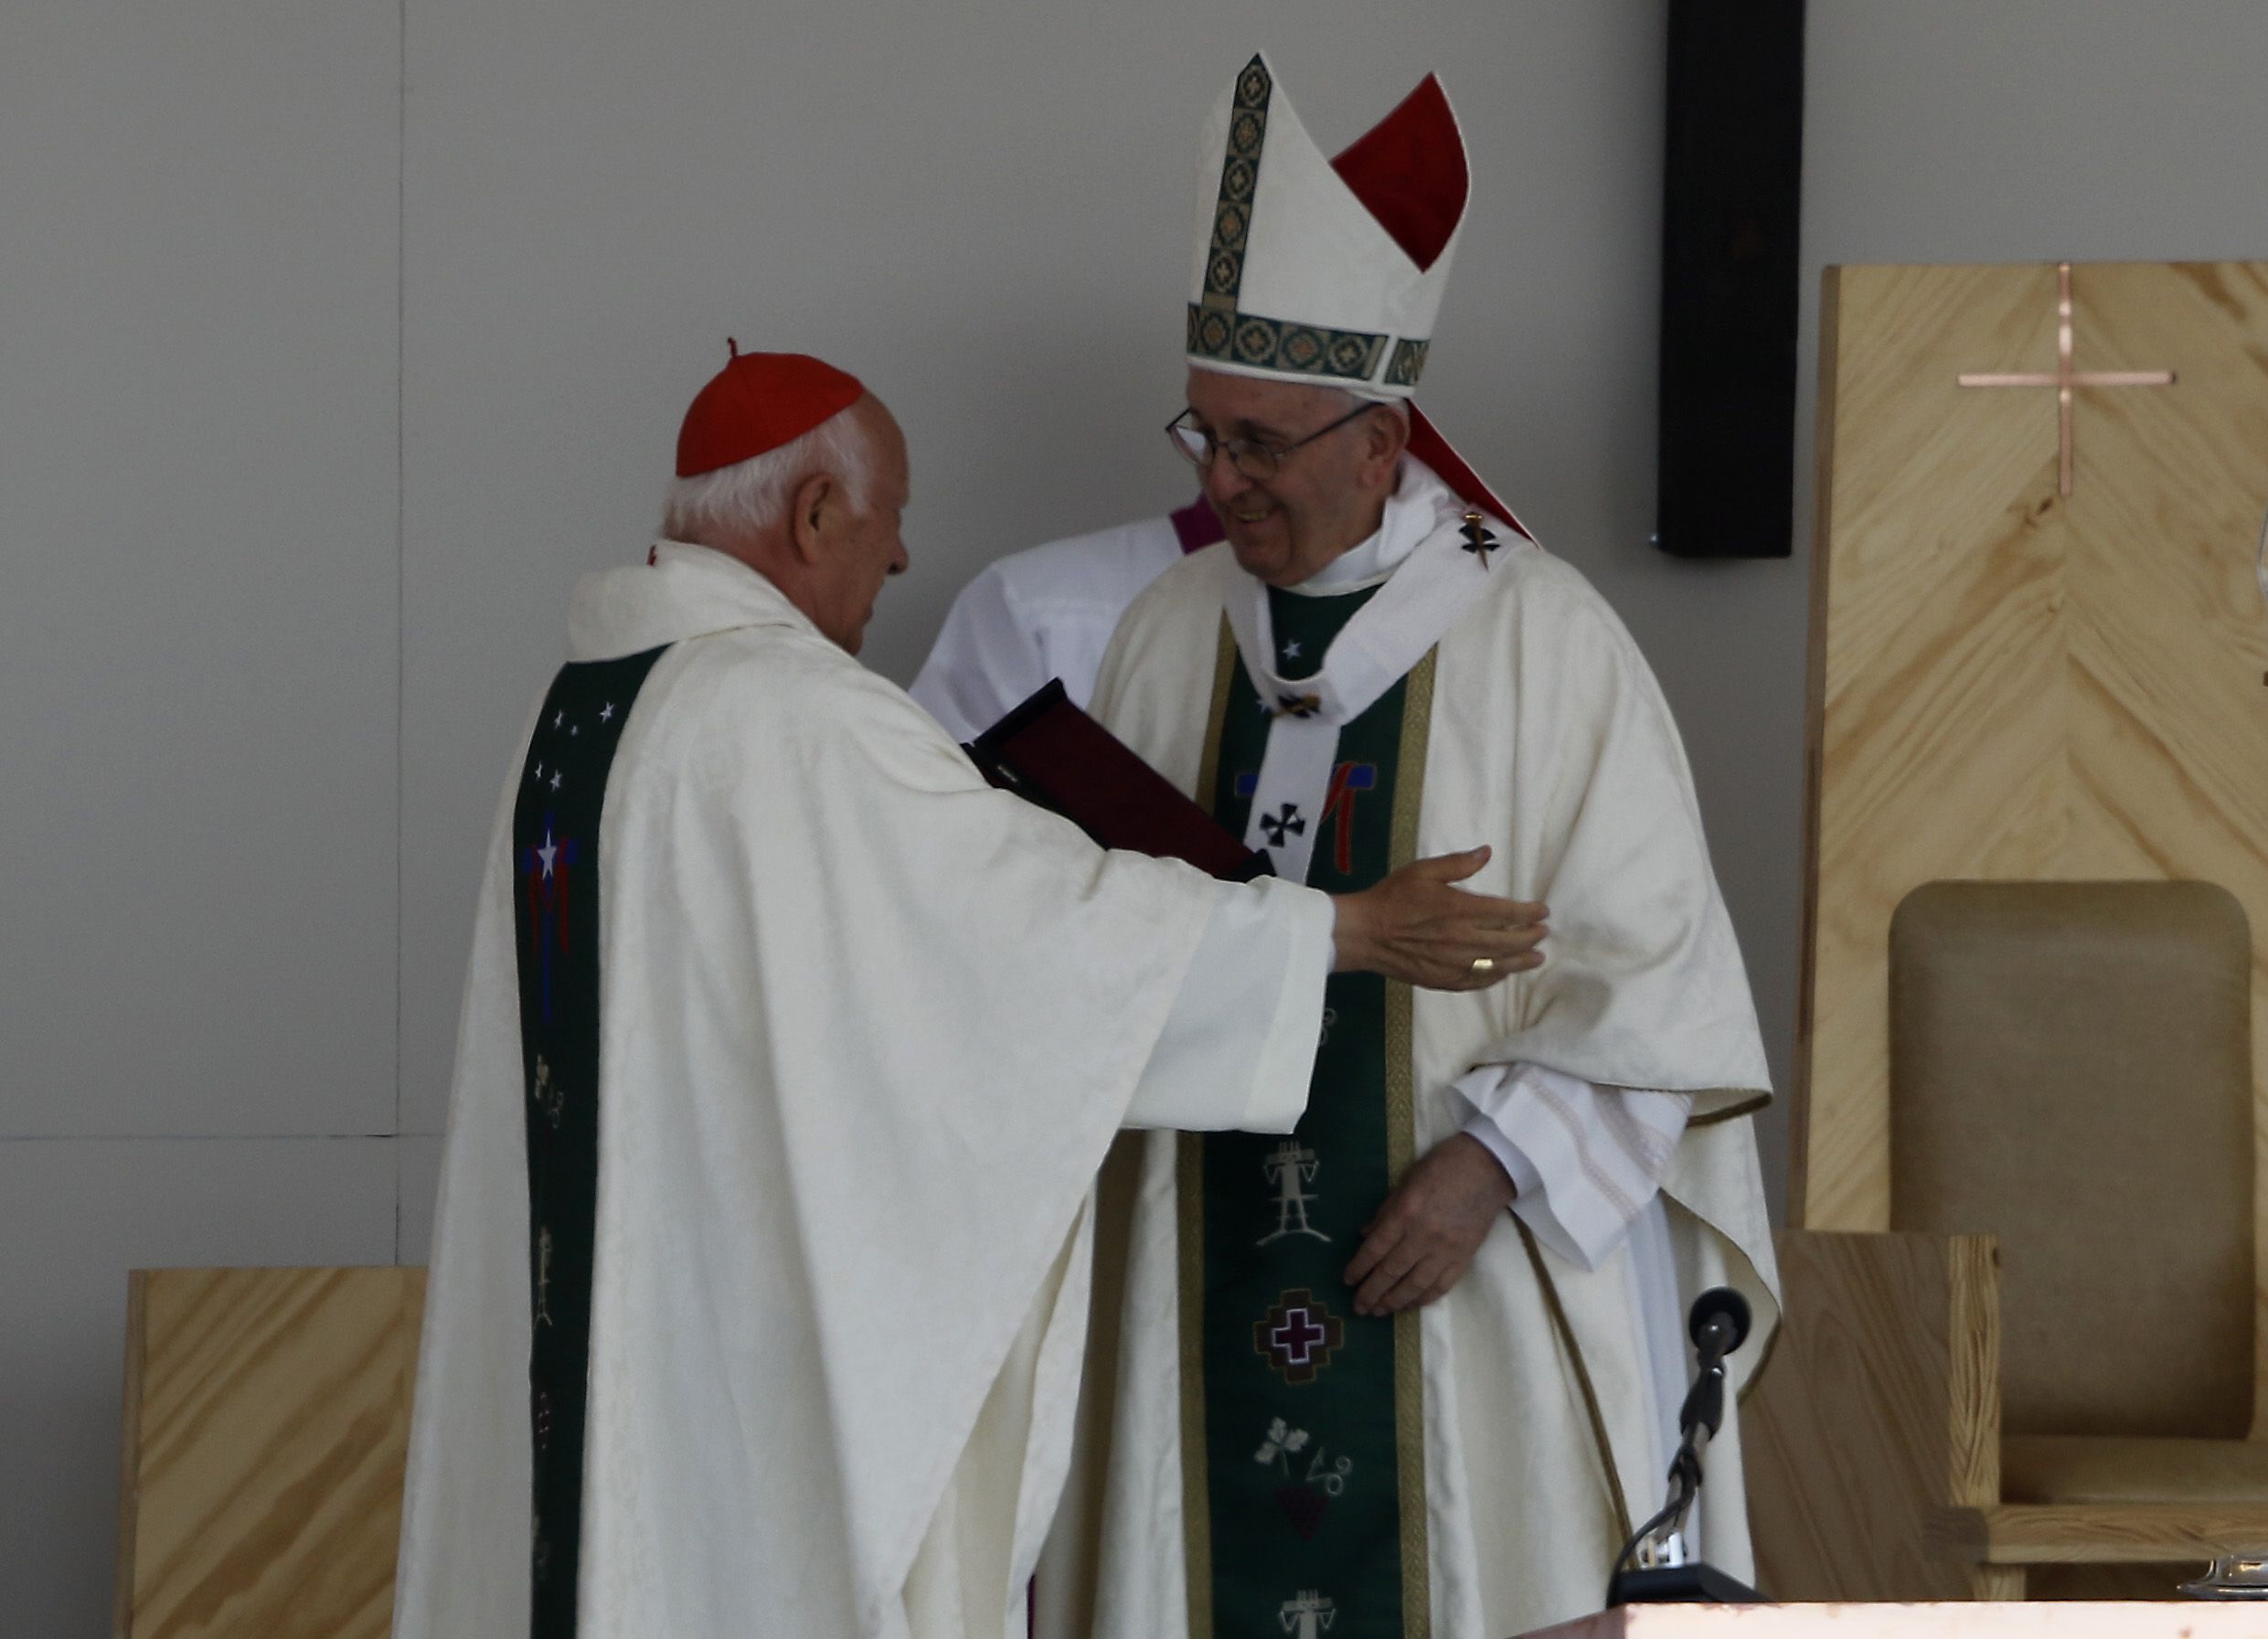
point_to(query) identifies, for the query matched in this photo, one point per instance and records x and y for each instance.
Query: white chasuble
(864, 1029)
(1547, 738)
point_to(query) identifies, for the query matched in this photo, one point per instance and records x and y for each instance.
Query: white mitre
(1317, 269)
(1330, 272)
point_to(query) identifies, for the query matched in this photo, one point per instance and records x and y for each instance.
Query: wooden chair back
(2071, 1073)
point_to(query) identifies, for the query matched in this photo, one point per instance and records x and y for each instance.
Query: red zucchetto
(758, 402)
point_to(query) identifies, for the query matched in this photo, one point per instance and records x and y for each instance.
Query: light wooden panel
(2007, 683)
(267, 1425)
(1878, 1409)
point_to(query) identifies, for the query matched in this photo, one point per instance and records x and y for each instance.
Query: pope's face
(1323, 499)
(868, 549)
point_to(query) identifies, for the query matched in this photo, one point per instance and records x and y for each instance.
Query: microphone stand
(1653, 1569)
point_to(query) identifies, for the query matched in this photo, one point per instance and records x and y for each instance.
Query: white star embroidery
(572, 732)
(548, 853)
(554, 778)
(558, 718)
(606, 712)
(540, 772)
(1291, 651)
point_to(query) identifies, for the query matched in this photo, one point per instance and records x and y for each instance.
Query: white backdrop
(338, 341)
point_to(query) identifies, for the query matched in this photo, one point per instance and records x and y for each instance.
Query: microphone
(1718, 1325)
(1652, 1567)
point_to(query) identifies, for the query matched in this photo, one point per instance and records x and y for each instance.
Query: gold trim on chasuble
(1565, 1328)
(1402, 1150)
(1758, 1100)
(1401, 1140)
(1196, 1508)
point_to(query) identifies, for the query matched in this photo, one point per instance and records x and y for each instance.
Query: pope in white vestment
(789, 1052)
(1623, 1072)
(1467, 1456)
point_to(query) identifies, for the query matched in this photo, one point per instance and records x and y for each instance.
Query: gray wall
(338, 341)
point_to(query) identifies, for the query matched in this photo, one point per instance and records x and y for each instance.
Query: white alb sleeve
(986, 661)
(1239, 1047)
(1584, 1159)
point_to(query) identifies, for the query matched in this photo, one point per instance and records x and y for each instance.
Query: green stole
(555, 857)
(1302, 1432)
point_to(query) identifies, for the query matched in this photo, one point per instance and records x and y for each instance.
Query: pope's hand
(1419, 926)
(1422, 1241)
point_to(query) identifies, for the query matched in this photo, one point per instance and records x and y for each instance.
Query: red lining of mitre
(1428, 446)
(758, 402)
(1409, 171)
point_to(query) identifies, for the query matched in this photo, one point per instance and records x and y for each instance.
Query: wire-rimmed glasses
(1258, 462)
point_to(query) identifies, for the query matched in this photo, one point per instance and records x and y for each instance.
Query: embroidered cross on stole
(1303, 1438)
(555, 852)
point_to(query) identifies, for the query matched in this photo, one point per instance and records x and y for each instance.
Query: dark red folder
(1048, 752)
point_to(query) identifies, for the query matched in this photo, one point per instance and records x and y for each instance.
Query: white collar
(1411, 515)
(681, 591)
(1433, 554)
(1433, 577)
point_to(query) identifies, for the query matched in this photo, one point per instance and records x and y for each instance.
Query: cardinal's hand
(1419, 926)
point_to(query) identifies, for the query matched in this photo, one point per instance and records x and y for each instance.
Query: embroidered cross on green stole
(1303, 1428)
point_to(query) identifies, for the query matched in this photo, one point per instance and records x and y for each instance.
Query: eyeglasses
(1258, 462)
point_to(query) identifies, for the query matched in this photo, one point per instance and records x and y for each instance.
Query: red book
(1049, 753)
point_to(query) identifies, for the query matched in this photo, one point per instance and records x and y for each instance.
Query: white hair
(752, 496)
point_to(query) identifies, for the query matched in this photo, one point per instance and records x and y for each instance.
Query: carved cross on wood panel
(2066, 378)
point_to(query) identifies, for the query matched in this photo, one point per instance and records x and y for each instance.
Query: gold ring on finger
(1482, 967)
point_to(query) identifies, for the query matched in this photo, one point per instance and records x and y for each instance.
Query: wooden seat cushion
(2070, 1067)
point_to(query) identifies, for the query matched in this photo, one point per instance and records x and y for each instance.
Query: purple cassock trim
(1198, 525)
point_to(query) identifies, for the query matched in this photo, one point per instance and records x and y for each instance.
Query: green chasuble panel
(555, 852)
(1303, 1438)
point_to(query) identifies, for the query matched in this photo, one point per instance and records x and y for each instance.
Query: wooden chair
(267, 1420)
(2037, 657)
(2053, 1355)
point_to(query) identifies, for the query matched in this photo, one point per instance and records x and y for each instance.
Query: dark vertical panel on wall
(1732, 191)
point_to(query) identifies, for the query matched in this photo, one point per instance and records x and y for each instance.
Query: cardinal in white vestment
(789, 1050)
(1047, 613)
(1414, 1370)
